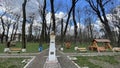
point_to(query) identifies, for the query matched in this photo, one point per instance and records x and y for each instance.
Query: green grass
(84, 61)
(12, 63)
(2, 46)
(109, 59)
(31, 47)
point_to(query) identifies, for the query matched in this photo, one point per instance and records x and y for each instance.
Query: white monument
(52, 61)
(52, 49)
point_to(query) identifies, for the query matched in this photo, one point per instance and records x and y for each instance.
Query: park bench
(102, 49)
(18, 50)
(116, 49)
(82, 49)
(95, 47)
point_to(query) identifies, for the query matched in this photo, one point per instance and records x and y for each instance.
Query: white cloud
(48, 17)
(60, 15)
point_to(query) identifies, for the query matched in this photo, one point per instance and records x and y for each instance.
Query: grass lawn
(83, 61)
(31, 47)
(109, 59)
(12, 63)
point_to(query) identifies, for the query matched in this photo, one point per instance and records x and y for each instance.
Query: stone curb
(29, 62)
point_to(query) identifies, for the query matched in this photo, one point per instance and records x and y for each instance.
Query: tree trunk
(61, 30)
(30, 30)
(53, 16)
(80, 31)
(119, 39)
(107, 27)
(43, 33)
(11, 38)
(69, 14)
(23, 25)
(15, 30)
(8, 27)
(75, 24)
(3, 33)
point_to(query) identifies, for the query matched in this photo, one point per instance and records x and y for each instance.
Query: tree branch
(92, 5)
(106, 2)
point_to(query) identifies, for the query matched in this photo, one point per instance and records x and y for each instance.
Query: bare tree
(24, 24)
(42, 13)
(44, 36)
(3, 26)
(90, 26)
(30, 28)
(79, 18)
(69, 14)
(16, 26)
(74, 21)
(61, 30)
(116, 22)
(99, 8)
(8, 24)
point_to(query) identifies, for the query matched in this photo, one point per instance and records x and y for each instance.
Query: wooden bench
(93, 48)
(18, 50)
(101, 49)
(116, 49)
(82, 49)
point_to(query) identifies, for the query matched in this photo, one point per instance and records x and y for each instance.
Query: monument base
(6, 50)
(75, 48)
(52, 64)
(61, 48)
(23, 50)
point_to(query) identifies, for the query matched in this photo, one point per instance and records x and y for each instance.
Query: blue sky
(64, 4)
(80, 3)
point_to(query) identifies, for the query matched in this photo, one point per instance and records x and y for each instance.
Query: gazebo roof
(102, 40)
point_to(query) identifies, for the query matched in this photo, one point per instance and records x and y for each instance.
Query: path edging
(29, 62)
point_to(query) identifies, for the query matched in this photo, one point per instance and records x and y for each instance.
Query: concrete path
(65, 62)
(93, 54)
(18, 55)
(39, 61)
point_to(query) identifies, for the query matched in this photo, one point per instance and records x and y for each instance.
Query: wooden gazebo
(94, 46)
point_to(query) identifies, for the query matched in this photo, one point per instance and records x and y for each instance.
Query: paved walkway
(14, 55)
(93, 54)
(40, 60)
